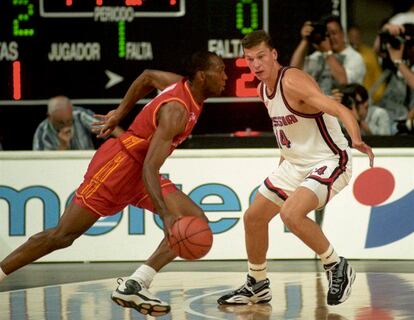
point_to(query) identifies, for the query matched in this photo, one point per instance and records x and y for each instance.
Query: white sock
(2, 275)
(258, 271)
(144, 273)
(329, 256)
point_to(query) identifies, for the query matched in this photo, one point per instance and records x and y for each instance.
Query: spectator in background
(372, 119)
(403, 57)
(404, 17)
(66, 127)
(398, 61)
(333, 62)
(372, 66)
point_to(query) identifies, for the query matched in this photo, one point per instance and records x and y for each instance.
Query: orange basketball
(191, 237)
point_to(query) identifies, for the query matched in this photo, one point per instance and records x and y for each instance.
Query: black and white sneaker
(134, 294)
(341, 276)
(250, 292)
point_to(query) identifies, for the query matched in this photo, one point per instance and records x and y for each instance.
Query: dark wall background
(18, 123)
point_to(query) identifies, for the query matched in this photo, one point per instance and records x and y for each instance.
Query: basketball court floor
(383, 290)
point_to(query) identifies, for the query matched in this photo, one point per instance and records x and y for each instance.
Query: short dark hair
(332, 18)
(199, 61)
(351, 90)
(255, 38)
(362, 92)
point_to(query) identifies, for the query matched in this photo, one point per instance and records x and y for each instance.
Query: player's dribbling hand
(364, 148)
(106, 125)
(168, 221)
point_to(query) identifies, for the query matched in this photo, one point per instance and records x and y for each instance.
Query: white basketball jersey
(304, 139)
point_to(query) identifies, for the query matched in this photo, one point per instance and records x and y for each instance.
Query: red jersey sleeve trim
(191, 95)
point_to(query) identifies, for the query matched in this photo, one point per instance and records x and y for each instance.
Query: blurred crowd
(375, 81)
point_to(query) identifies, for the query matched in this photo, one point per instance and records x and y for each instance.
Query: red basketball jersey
(139, 134)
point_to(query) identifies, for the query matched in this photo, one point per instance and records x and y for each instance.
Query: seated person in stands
(66, 128)
(372, 120)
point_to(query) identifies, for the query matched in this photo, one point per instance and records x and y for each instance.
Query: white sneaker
(134, 294)
(250, 292)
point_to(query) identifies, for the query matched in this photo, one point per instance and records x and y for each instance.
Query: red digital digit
(17, 91)
(133, 2)
(241, 89)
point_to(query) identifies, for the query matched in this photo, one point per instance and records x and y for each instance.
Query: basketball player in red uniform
(125, 171)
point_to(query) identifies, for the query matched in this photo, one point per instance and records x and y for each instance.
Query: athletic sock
(2, 274)
(329, 256)
(144, 273)
(258, 271)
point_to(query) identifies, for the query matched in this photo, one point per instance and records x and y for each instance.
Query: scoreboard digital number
(92, 50)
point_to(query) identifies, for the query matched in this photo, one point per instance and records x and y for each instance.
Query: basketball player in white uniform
(315, 165)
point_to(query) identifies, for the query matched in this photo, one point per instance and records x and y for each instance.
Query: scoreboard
(92, 50)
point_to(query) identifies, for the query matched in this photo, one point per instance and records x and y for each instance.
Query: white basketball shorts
(325, 178)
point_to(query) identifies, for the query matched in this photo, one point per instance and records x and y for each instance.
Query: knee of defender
(289, 219)
(253, 222)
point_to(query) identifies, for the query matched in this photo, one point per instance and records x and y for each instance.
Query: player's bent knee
(49, 240)
(59, 240)
(289, 219)
(248, 219)
(254, 221)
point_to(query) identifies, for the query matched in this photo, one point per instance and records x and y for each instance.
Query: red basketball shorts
(114, 180)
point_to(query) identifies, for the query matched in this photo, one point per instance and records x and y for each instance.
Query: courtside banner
(372, 218)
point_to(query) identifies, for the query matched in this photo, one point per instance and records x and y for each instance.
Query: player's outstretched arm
(172, 119)
(146, 82)
(309, 93)
(332, 107)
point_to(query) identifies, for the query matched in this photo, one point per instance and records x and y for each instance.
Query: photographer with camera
(372, 119)
(395, 44)
(333, 62)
